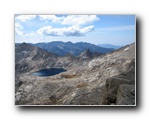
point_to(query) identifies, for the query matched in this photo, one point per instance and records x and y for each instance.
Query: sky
(96, 29)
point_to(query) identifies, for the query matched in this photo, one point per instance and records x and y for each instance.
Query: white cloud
(76, 22)
(24, 18)
(18, 29)
(70, 31)
(121, 28)
(79, 19)
(20, 32)
(64, 20)
(71, 19)
(53, 18)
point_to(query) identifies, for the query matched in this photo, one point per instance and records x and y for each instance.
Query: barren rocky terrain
(90, 79)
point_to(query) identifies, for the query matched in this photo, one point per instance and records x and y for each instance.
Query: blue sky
(96, 29)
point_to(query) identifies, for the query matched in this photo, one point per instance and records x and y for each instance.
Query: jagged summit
(87, 54)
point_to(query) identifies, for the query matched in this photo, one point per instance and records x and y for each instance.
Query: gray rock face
(121, 88)
(126, 95)
(105, 80)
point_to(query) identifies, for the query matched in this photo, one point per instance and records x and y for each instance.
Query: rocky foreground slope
(105, 80)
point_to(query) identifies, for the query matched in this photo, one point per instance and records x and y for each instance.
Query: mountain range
(62, 48)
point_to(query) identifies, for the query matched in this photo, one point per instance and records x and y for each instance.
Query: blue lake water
(48, 72)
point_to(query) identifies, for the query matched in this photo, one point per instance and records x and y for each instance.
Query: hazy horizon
(95, 29)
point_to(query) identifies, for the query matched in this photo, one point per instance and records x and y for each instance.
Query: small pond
(48, 72)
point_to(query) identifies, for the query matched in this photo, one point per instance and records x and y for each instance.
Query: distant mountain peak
(109, 46)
